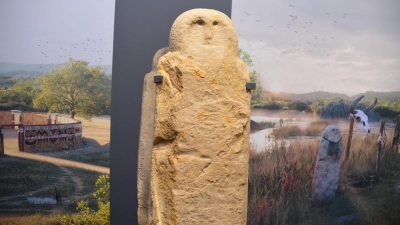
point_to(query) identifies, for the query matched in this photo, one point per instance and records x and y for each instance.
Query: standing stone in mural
(327, 168)
(199, 155)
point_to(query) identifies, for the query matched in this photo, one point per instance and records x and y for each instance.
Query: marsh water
(263, 139)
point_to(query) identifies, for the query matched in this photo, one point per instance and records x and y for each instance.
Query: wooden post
(55, 118)
(20, 133)
(12, 117)
(48, 118)
(1, 142)
(348, 145)
(396, 135)
(380, 140)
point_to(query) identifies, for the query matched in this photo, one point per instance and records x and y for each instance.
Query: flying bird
(291, 5)
(247, 13)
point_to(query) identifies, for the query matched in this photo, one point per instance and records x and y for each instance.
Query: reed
(280, 179)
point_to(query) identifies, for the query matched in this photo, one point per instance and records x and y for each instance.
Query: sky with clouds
(300, 46)
(48, 31)
(337, 46)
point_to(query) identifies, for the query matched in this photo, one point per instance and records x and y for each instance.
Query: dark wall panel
(141, 28)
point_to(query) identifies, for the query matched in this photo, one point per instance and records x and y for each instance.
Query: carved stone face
(361, 121)
(203, 29)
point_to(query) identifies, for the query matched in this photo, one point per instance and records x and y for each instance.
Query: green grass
(31, 219)
(13, 172)
(98, 158)
(88, 178)
(15, 185)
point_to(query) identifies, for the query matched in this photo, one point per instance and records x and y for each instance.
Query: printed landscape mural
(310, 61)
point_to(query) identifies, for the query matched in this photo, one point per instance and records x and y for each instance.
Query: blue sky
(297, 46)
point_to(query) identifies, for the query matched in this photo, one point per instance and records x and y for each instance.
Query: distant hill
(320, 95)
(32, 70)
(383, 96)
(312, 96)
(21, 73)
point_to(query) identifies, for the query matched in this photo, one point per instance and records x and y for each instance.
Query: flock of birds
(85, 48)
(303, 32)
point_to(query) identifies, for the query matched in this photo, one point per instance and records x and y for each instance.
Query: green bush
(334, 108)
(88, 216)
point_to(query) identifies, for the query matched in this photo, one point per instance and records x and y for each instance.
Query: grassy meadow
(21, 179)
(280, 180)
(97, 158)
(279, 189)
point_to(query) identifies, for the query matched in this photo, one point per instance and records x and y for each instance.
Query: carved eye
(215, 23)
(358, 119)
(200, 22)
(363, 123)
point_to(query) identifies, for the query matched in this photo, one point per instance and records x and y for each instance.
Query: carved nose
(209, 33)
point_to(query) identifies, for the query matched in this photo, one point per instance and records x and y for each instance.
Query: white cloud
(340, 46)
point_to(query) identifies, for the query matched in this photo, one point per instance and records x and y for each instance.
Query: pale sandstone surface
(327, 168)
(199, 163)
(146, 139)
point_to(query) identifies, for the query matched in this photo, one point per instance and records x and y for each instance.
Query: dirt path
(78, 185)
(59, 162)
(95, 132)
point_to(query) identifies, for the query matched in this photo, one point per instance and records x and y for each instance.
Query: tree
(335, 108)
(243, 55)
(22, 94)
(259, 95)
(76, 88)
(299, 106)
(88, 216)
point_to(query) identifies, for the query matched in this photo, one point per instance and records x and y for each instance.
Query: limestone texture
(146, 139)
(199, 155)
(327, 167)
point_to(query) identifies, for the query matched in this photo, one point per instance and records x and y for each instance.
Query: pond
(263, 139)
